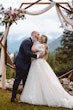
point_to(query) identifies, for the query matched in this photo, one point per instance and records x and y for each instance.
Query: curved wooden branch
(70, 7)
(11, 66)
(71, 71)
(41, 3)
(7, 54)
(31, 4)
(64, 8)
(11, 61)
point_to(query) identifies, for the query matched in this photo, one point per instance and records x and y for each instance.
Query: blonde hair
(44, 39)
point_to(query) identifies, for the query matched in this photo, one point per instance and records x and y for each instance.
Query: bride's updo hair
(44, 39)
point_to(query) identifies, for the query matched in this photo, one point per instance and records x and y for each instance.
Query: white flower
(16, 12)
(17, 18)
(20, 14)
(12, 12)
(43, 38)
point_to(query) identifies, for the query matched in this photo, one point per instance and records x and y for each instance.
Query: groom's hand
(14, 66)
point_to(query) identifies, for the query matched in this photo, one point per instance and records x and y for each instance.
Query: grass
(5, 103)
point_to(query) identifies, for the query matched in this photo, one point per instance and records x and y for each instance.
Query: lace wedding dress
(43, 87)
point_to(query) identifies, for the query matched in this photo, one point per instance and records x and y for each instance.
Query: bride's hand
(41, 55)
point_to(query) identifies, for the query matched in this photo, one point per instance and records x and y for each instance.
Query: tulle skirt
(43, 87)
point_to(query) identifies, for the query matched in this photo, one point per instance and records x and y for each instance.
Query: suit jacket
(23, 59)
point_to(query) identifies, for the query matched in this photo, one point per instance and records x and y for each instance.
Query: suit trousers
(20, 75)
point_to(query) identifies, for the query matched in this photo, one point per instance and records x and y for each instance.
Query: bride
(42, 85)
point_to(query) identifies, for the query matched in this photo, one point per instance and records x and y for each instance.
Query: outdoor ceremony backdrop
(47, 23)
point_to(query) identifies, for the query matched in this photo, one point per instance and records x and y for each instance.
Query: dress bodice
(40, 48)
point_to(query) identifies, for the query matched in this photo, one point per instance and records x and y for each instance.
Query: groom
(23, 62)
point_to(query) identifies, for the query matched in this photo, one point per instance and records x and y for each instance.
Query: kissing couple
(40, 84)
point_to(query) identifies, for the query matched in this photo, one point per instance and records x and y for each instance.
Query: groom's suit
(22, 62)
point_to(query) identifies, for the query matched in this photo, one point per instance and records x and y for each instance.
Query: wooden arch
(3, 41)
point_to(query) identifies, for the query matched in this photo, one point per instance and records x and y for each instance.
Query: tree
(66, 49)
(64, 54)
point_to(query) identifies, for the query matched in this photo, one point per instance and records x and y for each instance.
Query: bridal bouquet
(13, 15)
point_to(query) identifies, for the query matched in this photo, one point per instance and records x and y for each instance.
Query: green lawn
(5, 104)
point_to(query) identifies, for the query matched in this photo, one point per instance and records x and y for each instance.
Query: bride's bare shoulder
(39, 45)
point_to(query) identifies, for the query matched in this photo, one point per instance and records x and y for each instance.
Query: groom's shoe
(14, 100)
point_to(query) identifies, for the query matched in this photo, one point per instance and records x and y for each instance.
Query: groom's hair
(33, 32)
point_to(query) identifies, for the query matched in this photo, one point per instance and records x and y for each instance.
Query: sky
(47, 23)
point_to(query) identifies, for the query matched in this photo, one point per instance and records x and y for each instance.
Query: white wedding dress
(43, 87)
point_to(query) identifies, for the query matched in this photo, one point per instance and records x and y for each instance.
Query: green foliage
(10, 73)
(64, 54)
